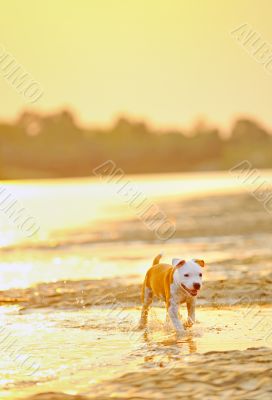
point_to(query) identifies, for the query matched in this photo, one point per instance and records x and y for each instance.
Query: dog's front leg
(191, 311)
(173, 311)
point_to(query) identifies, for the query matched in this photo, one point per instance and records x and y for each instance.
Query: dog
(175, 284)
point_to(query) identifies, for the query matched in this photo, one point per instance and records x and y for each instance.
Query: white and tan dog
(175, 284)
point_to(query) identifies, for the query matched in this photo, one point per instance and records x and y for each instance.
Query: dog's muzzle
(192, 292)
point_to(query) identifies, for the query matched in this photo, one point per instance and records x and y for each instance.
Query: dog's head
(188, 275)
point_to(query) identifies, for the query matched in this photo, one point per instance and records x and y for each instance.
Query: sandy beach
(70, 294)
(209, 375)
(70, 303)
(227, 353)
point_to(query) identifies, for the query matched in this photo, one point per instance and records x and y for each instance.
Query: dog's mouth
(192, 292)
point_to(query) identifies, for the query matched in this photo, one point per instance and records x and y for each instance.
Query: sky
(170, 62)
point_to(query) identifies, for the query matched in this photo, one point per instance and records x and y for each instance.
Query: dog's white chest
(177, 294)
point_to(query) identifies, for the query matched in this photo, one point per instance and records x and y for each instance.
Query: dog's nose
(196, 286)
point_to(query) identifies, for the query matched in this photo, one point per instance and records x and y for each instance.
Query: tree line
(55, 146)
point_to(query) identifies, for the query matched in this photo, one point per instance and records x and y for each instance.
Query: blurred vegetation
(52, 146)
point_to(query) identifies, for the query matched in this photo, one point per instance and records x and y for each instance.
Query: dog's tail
(157, 259)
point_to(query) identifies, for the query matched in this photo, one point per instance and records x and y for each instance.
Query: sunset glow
(165, 61)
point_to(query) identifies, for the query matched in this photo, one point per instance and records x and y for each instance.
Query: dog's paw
(140, 327)
(188, 324)
(180, 333)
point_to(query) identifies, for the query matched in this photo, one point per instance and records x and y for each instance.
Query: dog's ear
(177, 262)
(200, 262)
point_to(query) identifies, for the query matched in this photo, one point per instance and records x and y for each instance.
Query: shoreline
(86, 293)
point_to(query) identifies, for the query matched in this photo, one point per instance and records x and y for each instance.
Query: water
(73, 351)
(91, 243)
(87, 230)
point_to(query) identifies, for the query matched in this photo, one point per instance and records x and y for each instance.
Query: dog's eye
(200, 274)
(187, 275)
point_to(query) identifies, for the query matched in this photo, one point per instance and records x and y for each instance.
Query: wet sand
(237, 375)
(211, 376)
(85, 353)
(227, 354)
(71, 300)
(229, 375)
(86, 293)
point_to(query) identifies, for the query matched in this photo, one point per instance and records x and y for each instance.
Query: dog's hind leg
(147, 301)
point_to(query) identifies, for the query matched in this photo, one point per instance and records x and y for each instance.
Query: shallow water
(230, 256)
(73, 351)
(88, 231)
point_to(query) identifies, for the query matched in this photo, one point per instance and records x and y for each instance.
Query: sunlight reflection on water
(88, 233)
(77, 349)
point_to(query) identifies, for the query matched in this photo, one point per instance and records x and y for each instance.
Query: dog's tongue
(192, 292)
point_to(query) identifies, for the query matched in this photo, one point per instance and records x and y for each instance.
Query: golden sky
(168, 61)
